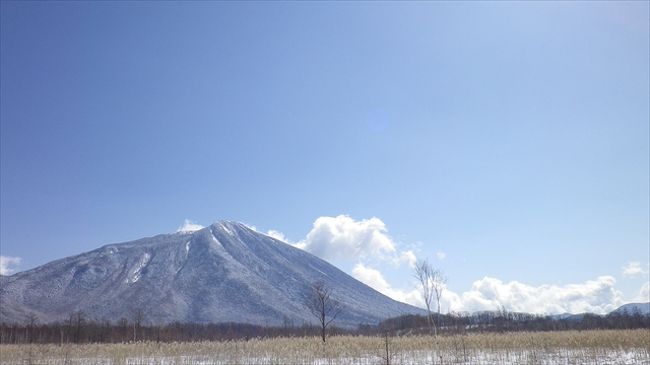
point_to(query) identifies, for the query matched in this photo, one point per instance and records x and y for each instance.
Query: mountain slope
(223, 273)
(633, 308)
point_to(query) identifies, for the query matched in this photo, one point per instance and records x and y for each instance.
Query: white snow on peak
(189, 227)
(135, 275)
(225, 228)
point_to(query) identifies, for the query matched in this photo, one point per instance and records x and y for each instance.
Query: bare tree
(76, 323)
(123, 325)
(432, 283)
(438, 284)
(321, 304)
(138, 316)
(387, 348)
(31, 323)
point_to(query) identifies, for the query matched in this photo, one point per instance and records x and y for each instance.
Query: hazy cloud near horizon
(595, 296)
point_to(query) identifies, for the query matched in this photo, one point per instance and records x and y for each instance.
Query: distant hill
(632, 308)
(568, 316)
(226, 272)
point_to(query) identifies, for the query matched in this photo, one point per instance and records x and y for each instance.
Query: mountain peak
(229, 226)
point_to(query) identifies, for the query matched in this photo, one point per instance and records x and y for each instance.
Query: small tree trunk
(387, 350)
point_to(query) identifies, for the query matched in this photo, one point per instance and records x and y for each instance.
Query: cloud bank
(343, 237)
(8, 264)
(596, 296)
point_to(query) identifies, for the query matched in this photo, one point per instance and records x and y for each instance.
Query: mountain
(569, 317)
(226, 272)
(633, 308)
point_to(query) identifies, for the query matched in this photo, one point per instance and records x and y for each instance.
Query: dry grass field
(570, 347)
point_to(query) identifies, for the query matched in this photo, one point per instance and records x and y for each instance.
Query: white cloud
(189, 226)
(343, 237)
(596, 296)
(407, 257)
(633, 269)
(277, 235)
(644, 293)
(441, 255)
(8, 263)
(374, 279)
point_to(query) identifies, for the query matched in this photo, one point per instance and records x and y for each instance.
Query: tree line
(505, 321)
(80, 329)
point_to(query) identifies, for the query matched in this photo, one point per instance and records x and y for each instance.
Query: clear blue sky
(513, 137)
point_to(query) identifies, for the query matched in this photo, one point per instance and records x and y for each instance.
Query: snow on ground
(550, 357)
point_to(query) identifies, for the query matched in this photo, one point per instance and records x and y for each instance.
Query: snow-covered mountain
(633, 308)
(226, 272)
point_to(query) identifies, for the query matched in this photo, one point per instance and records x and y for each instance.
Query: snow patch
(315, 269)
(551, 356)
(135, 275)
(215, 240)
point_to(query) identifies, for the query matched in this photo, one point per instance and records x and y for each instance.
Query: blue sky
(510, 138)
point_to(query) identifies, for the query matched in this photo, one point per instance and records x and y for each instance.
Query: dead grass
(568, 347)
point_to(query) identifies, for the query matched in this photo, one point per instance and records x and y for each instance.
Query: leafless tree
(432, 283)
(76, 323)
(138, 316)
(123, 325)
(438, 284)
(387, 349)
(31, 323)
(321, 304)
